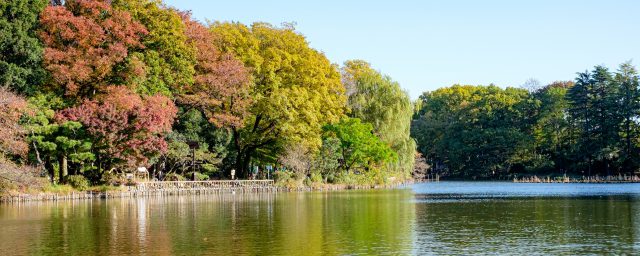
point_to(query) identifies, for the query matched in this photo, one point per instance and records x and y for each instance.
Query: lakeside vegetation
(91, 89)
(585, 127)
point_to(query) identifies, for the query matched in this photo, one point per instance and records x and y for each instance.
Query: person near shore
(233, 174)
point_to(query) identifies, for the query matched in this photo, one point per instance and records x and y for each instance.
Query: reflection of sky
(499, 218)
(335, 223)
(484, 190)
(142, 219)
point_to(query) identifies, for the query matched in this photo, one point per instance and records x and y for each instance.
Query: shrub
(287, 179)
(59, 189)
(174, 177)
(21, 178)
(78, 182)
(282, 176)
(316, 177)
(112, 179)
(199, 176)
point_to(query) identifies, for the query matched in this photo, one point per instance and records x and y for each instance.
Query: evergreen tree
(20, 50)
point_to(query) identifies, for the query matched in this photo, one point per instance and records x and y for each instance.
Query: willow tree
(376, 99)
(296, 90)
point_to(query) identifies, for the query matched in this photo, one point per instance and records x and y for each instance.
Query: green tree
(20, 49)
(296, 90)
(167, 56)
(64, 145)
(378, 100)
(553, 130)
(629, 98)
(595, 109)
(475, 131)
(360, 149)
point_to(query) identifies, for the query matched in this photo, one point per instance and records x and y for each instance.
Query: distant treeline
(589, 126)
(93, 88)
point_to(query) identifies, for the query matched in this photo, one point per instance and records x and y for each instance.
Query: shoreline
(583, 179)
(136, 192)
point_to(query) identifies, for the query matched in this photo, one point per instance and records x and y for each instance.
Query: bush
(112, 179)
(78, 182)
(58, 189)
(21, 178)
(199, 176)
(316, 177)
(287, 179)
(174, 177)
(282, 176)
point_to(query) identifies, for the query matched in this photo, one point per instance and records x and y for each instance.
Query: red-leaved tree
(85, 41)
(221, 87)
(12, 133)
(126, 129)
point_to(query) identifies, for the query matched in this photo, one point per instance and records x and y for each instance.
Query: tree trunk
(242, 163)
(63, 168)
(49, 167)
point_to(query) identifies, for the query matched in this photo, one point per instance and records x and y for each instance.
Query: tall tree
(20, 50)
(221, 83)
(552, 131)
(378, 100)
(168, 59)
(296, 89)
(595, 108)
(86, 42)
(629, 99)
(475, 131)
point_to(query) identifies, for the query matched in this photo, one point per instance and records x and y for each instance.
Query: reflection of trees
(266, 224)
(570, 225)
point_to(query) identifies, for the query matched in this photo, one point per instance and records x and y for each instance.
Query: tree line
(584, 127)
(92, 88)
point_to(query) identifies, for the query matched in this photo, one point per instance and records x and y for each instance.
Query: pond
(430, 218)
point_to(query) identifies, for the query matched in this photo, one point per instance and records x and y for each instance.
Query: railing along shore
(157, 188)
(204, 185)
(169, 188)
(583, 179)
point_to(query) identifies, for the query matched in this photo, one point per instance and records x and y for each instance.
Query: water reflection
(438, 218)
(560, 219)
(356, 222)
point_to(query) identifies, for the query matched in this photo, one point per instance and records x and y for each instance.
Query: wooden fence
(583, 179)
(205, 185)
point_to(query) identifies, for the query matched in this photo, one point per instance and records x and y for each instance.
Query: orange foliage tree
(85, 41)
(221, 85)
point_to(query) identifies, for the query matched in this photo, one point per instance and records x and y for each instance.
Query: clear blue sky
(425, 45)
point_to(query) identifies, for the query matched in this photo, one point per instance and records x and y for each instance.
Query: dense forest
(584, 127)
(91, 89)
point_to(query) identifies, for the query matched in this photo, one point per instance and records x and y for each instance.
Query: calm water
(433, 218)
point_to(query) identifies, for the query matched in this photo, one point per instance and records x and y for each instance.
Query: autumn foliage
(85, 40)
(125, 126)
(122, 84)
(221, 86)
(12, 107)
